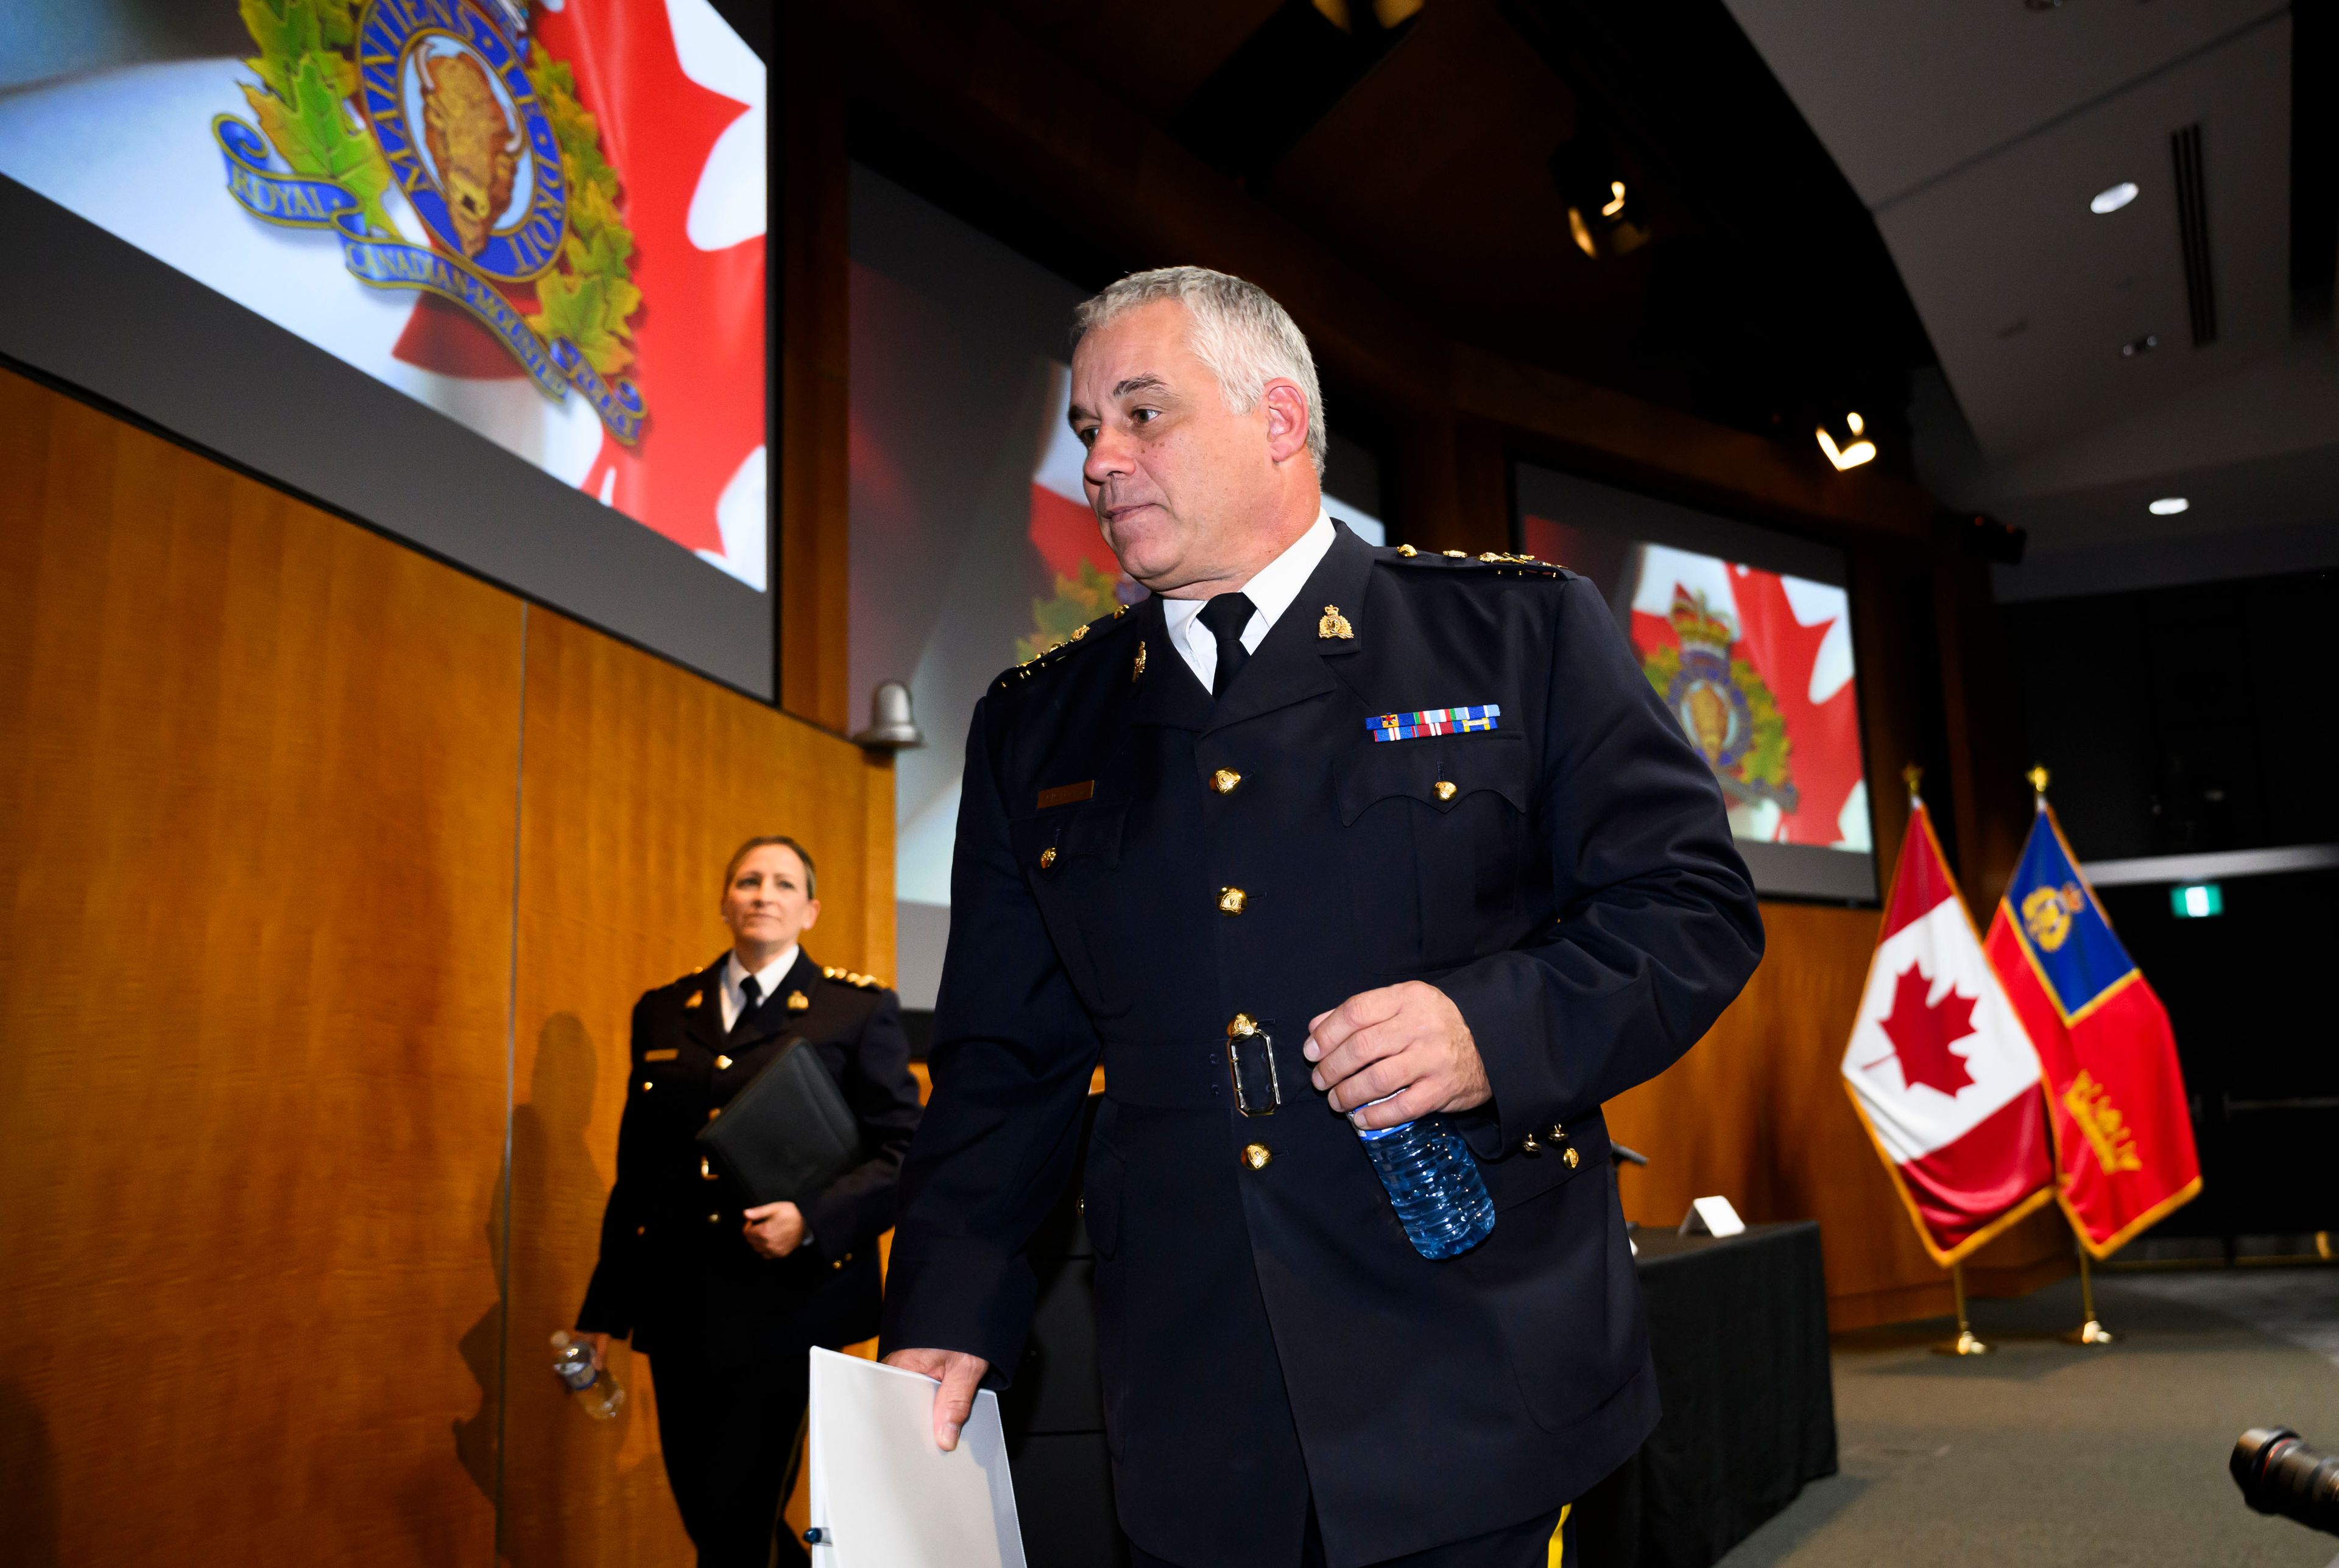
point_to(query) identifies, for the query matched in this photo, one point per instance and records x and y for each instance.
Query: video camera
(2279, 1474)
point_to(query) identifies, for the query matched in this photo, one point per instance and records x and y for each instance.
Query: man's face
(1177, 479)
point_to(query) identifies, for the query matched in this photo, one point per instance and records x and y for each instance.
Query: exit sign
(2196, 900)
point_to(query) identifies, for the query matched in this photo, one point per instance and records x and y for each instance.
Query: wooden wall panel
(1757, 1112)
(256, 817)
(640, 780)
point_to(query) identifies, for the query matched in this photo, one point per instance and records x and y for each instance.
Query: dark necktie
(751, 991)
(1226, 616)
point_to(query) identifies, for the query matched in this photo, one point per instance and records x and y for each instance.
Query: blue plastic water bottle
(1434, 1183)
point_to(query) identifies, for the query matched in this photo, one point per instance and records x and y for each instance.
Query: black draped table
(1737, 1329)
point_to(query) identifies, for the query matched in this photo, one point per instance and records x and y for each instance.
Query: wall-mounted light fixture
(1590, 177)
(1854, 453)
(2168, 506)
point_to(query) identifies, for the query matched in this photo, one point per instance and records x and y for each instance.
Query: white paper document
(884, 1496)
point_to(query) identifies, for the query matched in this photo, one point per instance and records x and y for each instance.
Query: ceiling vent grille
(2193, 231)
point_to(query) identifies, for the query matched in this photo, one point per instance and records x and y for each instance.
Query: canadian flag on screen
(1939, 1068)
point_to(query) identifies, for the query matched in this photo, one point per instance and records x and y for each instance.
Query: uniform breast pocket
(1437, 833)
(1071, 858)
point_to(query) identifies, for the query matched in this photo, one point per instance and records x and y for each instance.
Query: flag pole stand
(1965, 1343)
(2089, 1332)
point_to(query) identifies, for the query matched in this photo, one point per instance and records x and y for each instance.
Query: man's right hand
(960, 1375)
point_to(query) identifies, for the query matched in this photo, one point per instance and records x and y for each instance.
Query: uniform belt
(1198, 1075)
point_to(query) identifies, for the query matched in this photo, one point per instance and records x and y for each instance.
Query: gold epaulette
(1056, 652)
(1504, 563)
(847, 977)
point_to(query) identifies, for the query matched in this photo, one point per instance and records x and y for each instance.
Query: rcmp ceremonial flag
(1940, 1067)
(2123, 1137)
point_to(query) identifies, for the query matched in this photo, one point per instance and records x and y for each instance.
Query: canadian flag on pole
(1939, 1068)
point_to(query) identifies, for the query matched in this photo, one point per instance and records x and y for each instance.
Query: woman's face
(767, 900)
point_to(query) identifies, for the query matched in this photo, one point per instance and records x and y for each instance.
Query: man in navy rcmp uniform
(1321, 834)
(727, 1300)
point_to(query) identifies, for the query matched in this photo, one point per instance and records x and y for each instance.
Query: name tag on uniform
(1435, 722)
(1065, 794)
(661, 1055)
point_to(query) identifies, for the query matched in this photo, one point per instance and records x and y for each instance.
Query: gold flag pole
(1965, 1343)
(2090, 1331)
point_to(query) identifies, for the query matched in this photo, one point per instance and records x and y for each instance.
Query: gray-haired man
(1231, 841)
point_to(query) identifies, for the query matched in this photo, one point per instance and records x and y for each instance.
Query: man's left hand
(774, 1229)
(1410, 1038)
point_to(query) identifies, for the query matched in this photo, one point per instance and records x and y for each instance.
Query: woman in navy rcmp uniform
(725, 1300)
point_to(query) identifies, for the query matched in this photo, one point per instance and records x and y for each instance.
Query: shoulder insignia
(1054, 654)
(696, 999)
(849, 977)
(1506, 564)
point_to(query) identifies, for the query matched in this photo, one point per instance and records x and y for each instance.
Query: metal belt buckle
(1244, 1030)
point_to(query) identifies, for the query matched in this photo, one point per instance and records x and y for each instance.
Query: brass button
(1457, 554)
(641, 1230)
(712, 1114)
(713, 1219)
(1444, 789)
(1573, 1158)
(1231, 900)
(1241, 1026)
(647, 1085)
(1529, 1145)
(1224, 781)
(705, 1171)
(721, 1062)
(1046, 857)
(1256, 1155)
(1406, 550)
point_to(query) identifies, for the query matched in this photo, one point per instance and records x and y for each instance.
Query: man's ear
(1288, 415)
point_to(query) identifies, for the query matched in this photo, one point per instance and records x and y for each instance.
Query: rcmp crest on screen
(444, 103)
(1722, 703)
(451, 105)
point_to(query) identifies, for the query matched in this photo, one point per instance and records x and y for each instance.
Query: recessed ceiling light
(2169, 505)
(2114, 198)
(2144, 345)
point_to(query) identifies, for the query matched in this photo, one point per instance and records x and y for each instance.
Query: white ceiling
(1976, 133)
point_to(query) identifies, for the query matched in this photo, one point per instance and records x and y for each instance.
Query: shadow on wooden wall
(330, 870)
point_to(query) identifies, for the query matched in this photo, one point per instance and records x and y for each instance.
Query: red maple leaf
(1921, 1033)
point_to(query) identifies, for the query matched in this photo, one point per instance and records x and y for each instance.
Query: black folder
(788, 1133)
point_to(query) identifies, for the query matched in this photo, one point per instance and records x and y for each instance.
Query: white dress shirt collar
(1270, 592)
(767, 980)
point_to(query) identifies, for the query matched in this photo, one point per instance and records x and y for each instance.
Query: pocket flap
(1090, 831)
(1441, 773)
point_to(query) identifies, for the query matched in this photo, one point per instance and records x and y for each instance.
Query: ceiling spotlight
(2114, 198)
(1850, 456)
(2168, 506)
(2144, 345)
